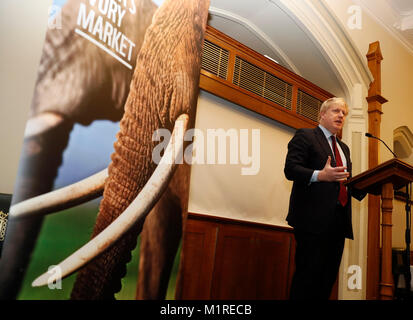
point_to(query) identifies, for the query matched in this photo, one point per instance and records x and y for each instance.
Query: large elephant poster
(101, 60)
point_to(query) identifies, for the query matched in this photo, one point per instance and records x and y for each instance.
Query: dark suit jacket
(313, 206)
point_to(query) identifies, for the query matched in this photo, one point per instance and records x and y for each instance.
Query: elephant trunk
(128, 173)
(164, 86)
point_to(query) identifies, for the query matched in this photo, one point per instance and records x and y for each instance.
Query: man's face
(333, 118)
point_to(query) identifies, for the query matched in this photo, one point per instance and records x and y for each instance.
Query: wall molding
(262, 36)
(404, 137)
(324, 29)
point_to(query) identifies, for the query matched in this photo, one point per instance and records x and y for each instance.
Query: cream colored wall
(397, 83)
(404, 136)
(23, 25)
(221, 190)
(397, 66)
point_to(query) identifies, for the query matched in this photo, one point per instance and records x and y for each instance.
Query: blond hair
(330, 102)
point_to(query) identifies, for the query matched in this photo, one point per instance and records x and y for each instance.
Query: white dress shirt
(328, 135)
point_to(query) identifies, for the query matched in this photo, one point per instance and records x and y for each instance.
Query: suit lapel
(325, 146)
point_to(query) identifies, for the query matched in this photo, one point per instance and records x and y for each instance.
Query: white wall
(222, 190)
(23, 25)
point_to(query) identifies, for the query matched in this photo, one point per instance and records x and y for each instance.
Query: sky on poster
(89, 147)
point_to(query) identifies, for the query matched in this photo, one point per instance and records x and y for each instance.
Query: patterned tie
(342, 196)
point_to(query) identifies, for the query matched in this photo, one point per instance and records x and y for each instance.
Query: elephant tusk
(64, 198)
(137, 211)
(41, 123)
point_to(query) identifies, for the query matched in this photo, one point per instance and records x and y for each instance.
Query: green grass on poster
(63, 233)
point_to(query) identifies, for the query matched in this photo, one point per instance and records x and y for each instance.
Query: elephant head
(164, 87)
(77, 80)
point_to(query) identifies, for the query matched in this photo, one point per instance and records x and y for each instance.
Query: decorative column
(375, 101)
(386, 279)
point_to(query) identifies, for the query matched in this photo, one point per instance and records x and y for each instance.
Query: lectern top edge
(396, 171)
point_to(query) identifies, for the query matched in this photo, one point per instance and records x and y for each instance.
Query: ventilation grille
(308, 106)
(253, 79)
(262, 83)
(215, 59)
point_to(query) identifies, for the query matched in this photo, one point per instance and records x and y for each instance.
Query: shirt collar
(326, 132)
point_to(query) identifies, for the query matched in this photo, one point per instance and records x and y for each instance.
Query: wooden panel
(225, 88)
(257, 104)
(235, 264)
(197, 260)
(231, 259)
(275, 264)
(252, 264)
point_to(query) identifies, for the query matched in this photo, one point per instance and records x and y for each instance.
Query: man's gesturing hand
(330, 173)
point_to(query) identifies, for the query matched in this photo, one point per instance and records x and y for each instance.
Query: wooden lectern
(383, 180)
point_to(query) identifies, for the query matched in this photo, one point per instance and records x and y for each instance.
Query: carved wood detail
(375, 101)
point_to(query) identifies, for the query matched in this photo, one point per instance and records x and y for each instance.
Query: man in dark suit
(320, 204)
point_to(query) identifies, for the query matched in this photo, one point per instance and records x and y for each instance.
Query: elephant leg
(159, 242)
(40, 159)
(160, 238)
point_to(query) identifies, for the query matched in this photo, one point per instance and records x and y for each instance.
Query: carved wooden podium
(383, 180)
